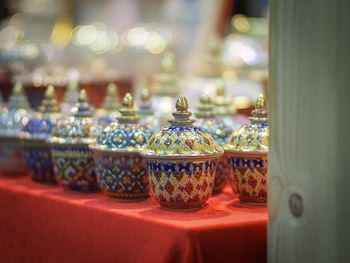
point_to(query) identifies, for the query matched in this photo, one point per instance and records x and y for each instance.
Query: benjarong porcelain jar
(73, 160)
(146, 111)
(220, 132)
(248, 156)
(181, 160)
(12, 119)
(34, 136)
(120, 169)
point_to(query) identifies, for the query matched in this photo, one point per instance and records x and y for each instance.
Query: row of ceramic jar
(181, 164)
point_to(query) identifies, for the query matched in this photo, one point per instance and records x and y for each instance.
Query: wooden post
(309, 107)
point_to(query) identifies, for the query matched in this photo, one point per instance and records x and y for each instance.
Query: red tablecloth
(41, 223)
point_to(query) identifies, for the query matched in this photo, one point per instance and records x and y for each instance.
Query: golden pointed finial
(220, 89)
(50, 92)
(128, 101)
(260, 102)
(259, 115)
(145, 94)
(112, 89)
(18, 88)
(182, 115)
(205, 107)
(73, 85)
(168, 63)
(181, 104)
(83, 96)
(127, 112)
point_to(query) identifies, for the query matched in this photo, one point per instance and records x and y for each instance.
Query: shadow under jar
(247, 154)
(181, 160)
(120, 169)
(73, 160)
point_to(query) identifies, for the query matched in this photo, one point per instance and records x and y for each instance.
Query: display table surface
(44, 223)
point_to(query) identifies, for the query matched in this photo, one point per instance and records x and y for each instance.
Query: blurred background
(95, 42)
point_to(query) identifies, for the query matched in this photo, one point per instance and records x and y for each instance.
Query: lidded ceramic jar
(146, 111)
(12, 119)
(220, 132)
(248, 156)
(120, 169)
(181, 160)
(223, 106)
(34, 136)
(166, 88)
(73, 160)
(109, 110)
(70, 97)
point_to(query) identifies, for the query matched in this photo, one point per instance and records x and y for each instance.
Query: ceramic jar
(12, 119)
(146, 112)
(223, 106)
(109, 110)
(73, 160)
(120, 169)
(220, 132)
(34, 136)
(181, 160)
(248, 156)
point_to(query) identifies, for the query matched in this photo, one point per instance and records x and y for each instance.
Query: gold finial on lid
(112, 89)
(127, 112)
(49, 103)
(168, 63)
(205, 106)
(111, 101)
(182, 115)
(145, 94)
(83, 107)
(220, 89)
(259, 115)
(18, 89)
(73, 85)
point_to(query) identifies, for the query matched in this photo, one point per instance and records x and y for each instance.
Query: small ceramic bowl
(12, 119)
(120, 168)
(73, 160)
(248, 157)
(181, 160)
(34, 137)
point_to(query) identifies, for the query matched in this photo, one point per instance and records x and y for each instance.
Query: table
(44, 223)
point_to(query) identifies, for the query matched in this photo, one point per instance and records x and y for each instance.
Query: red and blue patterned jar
(220, 132)
(181, 160)
(120, 168)
(12, 119)
(73, 160)
(34, 136)
(248, 157)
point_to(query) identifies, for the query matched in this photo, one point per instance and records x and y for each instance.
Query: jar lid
(181, 138)
(78, 128)
(16, 114)
(126, 135)
(207, 121)
(253, 137)
(41, 124)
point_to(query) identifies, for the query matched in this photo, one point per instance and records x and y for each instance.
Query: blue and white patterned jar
(181, 160)
(12, 119)
(221, 134)
(34, 136)
(73, 160)
(120, 169)
(248, 156)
